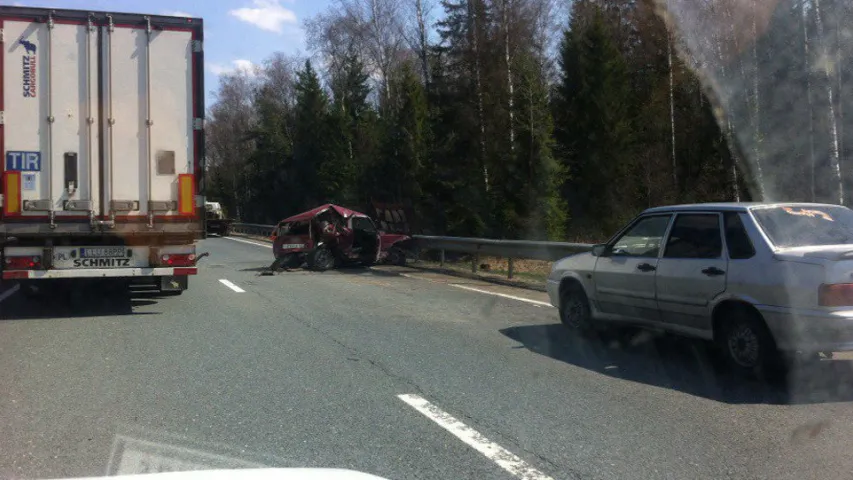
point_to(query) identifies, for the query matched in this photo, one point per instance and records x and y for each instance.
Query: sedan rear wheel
(574, 310)
(748, 345)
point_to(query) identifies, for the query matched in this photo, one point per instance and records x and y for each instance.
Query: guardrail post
(475, 261)
(510, 268)
(441, 258)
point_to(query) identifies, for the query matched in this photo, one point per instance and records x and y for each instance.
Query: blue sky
(238, 33)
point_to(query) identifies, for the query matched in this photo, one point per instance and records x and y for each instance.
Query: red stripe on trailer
(180, 272)
(2, 108)
(16, 275)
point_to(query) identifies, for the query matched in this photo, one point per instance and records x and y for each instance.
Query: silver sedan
(758, 279)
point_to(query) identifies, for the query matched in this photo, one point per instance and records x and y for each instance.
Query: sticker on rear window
(804, 212)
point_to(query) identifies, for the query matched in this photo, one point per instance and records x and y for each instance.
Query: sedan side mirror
(600, 250)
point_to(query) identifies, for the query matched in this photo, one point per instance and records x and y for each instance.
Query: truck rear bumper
(99, 273)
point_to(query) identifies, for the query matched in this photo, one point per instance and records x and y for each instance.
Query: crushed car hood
(344, 212)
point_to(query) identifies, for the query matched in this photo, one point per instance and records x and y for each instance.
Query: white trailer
(101, 129)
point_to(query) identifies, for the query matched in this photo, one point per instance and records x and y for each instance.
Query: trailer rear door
(50, 131)
(102, 119)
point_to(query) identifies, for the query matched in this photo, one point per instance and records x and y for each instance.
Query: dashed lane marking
(503, 295)
(474, 439)
(231, 286)
(247, 241)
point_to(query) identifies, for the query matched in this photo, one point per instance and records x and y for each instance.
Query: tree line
(538, 120)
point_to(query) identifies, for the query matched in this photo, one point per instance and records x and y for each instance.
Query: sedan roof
(728, 206)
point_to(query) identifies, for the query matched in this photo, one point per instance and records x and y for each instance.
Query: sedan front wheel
(574, 310)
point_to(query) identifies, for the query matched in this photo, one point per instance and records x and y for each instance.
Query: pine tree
(311, 152)
(271, 178)
(353, 143)
(544, 212)
(406, 147)
(460, 102)
(595, 130)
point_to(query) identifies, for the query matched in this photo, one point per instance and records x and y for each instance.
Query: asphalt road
(388, 371)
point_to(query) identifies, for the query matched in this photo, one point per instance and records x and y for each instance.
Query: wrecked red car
(330, 236)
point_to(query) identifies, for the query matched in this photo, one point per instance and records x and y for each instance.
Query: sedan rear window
(805, 225)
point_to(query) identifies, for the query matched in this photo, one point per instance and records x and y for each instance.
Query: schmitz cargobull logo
(30, 78)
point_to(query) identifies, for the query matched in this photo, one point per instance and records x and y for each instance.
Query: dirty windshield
(427, 239)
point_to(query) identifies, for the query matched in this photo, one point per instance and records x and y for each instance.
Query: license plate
(104, 252)
(290, 246)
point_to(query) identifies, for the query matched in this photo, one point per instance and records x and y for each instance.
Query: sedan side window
(695, 236)
(643, 239)
(737, 240)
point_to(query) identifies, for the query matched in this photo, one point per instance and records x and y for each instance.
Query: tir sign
(23, 161)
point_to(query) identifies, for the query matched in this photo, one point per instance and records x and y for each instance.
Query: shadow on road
(685, 365)
(75, 304)
(256, 269)
(376, 271)
(345, 270)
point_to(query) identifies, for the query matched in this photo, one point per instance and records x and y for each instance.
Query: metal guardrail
(252, 229)
(509, 249)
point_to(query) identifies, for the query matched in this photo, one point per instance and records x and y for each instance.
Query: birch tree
(228, 145)
(827, 67)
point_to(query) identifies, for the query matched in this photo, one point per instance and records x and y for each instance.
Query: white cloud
(240, 65)
(177, 13)
(266, 15)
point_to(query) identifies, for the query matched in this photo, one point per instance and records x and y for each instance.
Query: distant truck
(216, 220)
(102, 137)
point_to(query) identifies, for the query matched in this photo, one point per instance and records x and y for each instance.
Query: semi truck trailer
(101, 129)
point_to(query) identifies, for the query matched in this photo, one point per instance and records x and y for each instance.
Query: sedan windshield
(806, 225)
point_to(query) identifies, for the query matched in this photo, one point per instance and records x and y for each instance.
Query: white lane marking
(504, 295)
(474, 439)
(246, 241)
(10, 292)
(231, 286)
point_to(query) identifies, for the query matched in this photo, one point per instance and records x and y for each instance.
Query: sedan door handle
(713, 271)
(645, 267)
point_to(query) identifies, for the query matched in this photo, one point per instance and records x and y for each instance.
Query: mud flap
(174, 284)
